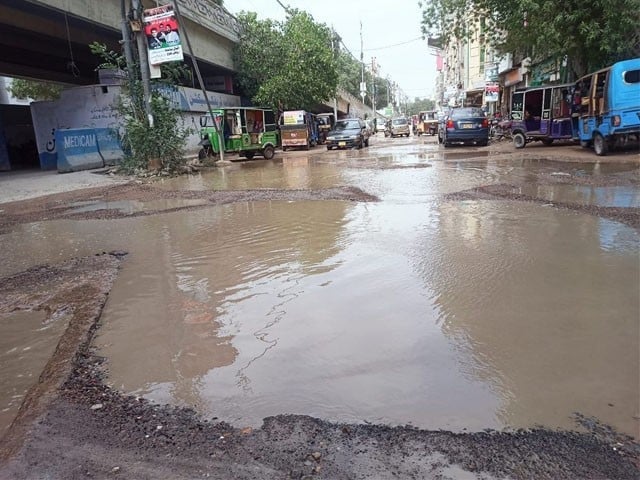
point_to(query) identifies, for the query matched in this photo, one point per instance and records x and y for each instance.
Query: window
(632, 76)
(467, 112)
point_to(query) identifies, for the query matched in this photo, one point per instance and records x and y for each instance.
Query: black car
(464, 125)
(348, 133)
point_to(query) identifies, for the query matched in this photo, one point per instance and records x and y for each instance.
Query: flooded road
(416, 309)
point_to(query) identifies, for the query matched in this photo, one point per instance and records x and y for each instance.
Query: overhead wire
(394, 45)
(71, 65)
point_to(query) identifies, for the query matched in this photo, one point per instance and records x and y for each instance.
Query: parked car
(348, 133)
(400, 126)
(464, 125)
(381, 125)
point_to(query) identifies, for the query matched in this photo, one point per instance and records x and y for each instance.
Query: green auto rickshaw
(247, 131)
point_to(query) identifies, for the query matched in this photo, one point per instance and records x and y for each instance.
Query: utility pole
(202, 85)
(363, 85)
(373, 74)
(126, 40)
(144, 60)
(333, 48)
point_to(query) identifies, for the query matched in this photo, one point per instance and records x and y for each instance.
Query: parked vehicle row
(600, 110)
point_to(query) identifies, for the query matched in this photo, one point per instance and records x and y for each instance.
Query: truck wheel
(519, 140)
(600, 145)
(268, 152)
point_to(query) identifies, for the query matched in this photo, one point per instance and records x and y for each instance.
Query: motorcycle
(500, 129)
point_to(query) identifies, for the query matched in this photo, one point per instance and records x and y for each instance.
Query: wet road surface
(417, 309)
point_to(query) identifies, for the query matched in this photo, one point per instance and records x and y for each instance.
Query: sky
(390, 33)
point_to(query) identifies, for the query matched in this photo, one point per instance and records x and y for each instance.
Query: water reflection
(26, 344)
(204, 266)
(452, 315)
(626, 196)
(549, 323)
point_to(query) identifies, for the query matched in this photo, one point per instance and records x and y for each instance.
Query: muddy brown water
(26, 344)
(412, 310)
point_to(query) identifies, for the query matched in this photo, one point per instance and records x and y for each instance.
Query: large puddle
(414, 310)
(26, 344)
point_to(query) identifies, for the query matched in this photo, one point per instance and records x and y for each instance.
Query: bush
(144, 144)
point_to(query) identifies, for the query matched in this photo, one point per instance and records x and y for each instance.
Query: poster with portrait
(163, 36)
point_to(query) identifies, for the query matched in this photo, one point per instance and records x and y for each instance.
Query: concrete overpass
(48, 40)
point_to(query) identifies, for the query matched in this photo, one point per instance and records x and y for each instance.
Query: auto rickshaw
(326, 122)
(427, 123)
(247, 131)
(299, 129)
(541, 114)
(606, 107)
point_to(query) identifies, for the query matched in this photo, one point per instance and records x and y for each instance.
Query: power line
(394, 45)
(286, 8)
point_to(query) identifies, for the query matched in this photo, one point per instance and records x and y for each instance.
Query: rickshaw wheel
(547, 141)
(202, 154)
(600, 145)
(268, 152)
(248, 155)
(519, 141)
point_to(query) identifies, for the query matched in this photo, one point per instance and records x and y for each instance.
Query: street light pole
(373, 81)
(363, 86)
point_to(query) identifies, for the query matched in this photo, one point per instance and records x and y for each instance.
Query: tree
(592, 34)
(349, 73)
(144, 144)
(286, 65)
(26, 89)
(420, 105)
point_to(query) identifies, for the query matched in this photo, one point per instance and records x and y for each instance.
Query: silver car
(399, 127)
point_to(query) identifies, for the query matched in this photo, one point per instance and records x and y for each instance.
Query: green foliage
(110, 59)
(25, 89)
(592, 34)
(142, 143)
(286, 65)
(420, 105)
(350, 73)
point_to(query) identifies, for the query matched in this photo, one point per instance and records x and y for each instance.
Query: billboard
(491, 93)
(163, 38)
